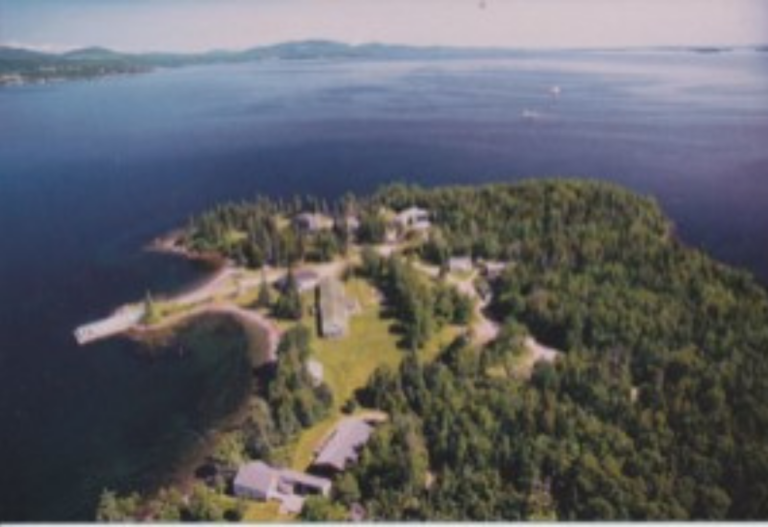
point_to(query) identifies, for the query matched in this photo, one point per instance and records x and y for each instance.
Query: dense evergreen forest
(657, 410)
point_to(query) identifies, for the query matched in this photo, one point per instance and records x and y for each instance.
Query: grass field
(267, 511)
(348, 362)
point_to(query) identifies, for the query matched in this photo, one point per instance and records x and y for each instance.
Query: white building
(414, 218)
(312, 222)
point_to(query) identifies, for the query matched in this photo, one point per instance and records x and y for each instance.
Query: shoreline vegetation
(550, 337)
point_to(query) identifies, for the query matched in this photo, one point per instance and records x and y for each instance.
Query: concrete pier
(121, 321)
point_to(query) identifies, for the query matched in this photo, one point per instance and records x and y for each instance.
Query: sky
(198, 25)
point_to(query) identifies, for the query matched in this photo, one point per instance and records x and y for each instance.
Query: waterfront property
(342, 446)
(414, 218)
(312, 222)
(259, 481)
(334, 309)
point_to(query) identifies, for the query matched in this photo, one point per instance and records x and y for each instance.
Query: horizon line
(54, 49)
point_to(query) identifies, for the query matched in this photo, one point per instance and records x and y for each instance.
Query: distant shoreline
(23, 66)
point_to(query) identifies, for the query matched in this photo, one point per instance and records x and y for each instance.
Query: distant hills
(18, 65)
(22, 65)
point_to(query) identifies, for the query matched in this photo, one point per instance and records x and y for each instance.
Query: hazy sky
(185, 25)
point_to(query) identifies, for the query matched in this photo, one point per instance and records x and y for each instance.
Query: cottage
(461, 264)
(259, 481)
(343, 445)
(414, 218)
(334, 310)
(312, 222)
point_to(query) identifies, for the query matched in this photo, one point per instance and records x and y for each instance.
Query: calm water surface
(89, 171)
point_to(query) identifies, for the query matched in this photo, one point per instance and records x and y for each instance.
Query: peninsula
(543, 350)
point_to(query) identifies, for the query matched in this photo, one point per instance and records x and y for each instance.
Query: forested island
(649, 401)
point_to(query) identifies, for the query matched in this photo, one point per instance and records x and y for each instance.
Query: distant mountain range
(18, 65)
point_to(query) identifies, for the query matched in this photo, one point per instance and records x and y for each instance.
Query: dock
(121, 321)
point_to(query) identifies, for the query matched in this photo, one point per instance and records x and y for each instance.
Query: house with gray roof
(334, 308)
(343, 445)
(259, 481)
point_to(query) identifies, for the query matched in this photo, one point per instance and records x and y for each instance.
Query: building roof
(292, 477)
(334, 311)
(281, 484)
(414, 218)
(412, 212)
(342, 446)
(460, 262)
(257, 476)
(313, 221)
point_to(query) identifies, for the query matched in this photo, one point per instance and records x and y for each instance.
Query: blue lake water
(89, 171)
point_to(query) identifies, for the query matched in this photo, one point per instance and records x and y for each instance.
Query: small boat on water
(530, 115)
(554, 91)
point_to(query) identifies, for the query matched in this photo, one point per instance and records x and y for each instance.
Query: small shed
(315, 370)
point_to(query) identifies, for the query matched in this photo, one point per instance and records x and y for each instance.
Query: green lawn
(304, 447)
(439, 342)
(268, 511)
(348, 362)
(234, 236)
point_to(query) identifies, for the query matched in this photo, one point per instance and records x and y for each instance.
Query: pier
(121, 321)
